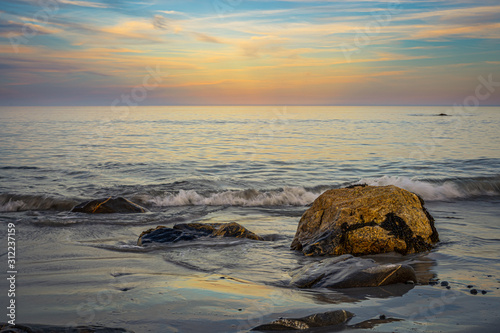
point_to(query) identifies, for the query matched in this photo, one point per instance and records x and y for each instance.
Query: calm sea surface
(260, 167)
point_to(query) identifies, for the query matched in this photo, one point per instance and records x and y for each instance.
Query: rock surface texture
(365, 220)
(108, 206)
(190, 231)
(316, 320)
(347, 271)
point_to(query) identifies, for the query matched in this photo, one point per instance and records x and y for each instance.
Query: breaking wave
(17, 203)
(442, 190)
(428, 189)
(289, 196)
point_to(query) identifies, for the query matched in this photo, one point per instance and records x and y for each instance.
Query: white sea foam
(436, 191)
(17, 203)
(292, 196)
(12, 206)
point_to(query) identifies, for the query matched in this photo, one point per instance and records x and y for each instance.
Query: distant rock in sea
(365, 220)
(443, 115)
(108, 206)
(190, 231)
(347, 271)
(313, 321)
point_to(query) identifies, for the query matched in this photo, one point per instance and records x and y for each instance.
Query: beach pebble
(444, 283)
(470, 286)
(473, 291)
(484, 292)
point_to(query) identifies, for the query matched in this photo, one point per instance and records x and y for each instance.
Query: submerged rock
(190, 231)
(347, 271)
(108, 206)
(316, 320)
(365, 220)
(29, 328)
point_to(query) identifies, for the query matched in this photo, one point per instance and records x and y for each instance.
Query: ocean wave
(442, 190)
(22, 167)
(288, 196)
(17, 203)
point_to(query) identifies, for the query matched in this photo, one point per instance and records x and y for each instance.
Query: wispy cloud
(287, 51)
(83, 3)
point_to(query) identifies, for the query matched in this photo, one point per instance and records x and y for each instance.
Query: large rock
(347, 271)
(316, 320)
(108, 206)
(190, 231)
(365, 220)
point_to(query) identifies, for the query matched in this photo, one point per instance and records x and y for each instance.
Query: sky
(249, 52)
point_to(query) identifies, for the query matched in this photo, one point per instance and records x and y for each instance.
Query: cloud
(206, 38)
(11, 29)
(257, 46)
(488, 31)
(172, 12)
(83, 3)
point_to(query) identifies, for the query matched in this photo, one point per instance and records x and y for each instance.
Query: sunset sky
(233, 52)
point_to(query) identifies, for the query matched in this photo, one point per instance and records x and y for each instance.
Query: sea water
(260, 167)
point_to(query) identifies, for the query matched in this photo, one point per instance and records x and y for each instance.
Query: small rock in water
(347, 271)
(382, 317)
(470, 286)
(448, 287)
(316, 320)
(444, 283)
(473, 291)
(191, 231)
(484, 292)
(108, 206)
(490, 275)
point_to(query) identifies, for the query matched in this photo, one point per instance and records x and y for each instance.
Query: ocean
(259, 166)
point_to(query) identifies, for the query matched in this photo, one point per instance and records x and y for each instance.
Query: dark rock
(448, 287)
(347, 271)
(444, 283)
(316, 320)
(382, 317)
(484, 292)
(365, 220)
(470, 286)
(190, 231)
(473, 291)
(442, 115)
(108, 206)
(30, 328)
